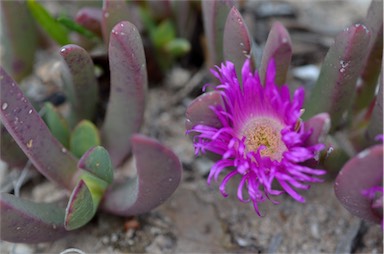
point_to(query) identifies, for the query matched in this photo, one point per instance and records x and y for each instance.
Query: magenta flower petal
(261, 136)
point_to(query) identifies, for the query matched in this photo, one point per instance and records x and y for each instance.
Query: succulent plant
(342, 111)
(73, 152)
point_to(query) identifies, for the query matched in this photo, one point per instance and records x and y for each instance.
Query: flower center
(264, 131)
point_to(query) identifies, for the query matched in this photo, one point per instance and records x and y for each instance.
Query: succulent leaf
(114, 11)
(319, 125)
(362, 172)
(157, 178)
(214, 16)
(375, 126)
(90, 18)
(24, 221)
(53, 28)
(32, 135)
(56, 124)
(19, 38)
(279, 48)
(335, 87)
(373, 62)
(80, 208)
(71, 25)
(82, 92)
(125, 110)
(10, 152)
(96, 161)
(84, 137)
(199, 112)
(237, 42)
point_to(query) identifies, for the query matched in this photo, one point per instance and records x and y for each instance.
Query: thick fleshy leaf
(319, 125)
(214, 17)
(336, 85)
(159, 9)
(32, 135)
(199, 112)
(57, 124)
(362, 172)
(125, 111)
(185, 18)
(96, 161)
(375, 126)
(18, 38)
(114, 11)
(237, 42)
(10, 152)
(71, 25)
(53, 28)
(90, 18)
(84, 137)
(279, 48)
(373, 62)
(177, 47)
(80, 208)
(23, 221)
(82, 92)
(158, 175)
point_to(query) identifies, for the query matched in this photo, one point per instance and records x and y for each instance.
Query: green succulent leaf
(83, 137)
(97, 161)
(57, 124)
(80, 208)
(178, 47)
(53, 28)
(163, 34)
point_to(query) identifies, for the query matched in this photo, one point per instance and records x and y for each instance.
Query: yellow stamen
(264, 131)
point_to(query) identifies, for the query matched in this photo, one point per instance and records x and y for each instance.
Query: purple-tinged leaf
(319, 125)
(83, 91)
(375, 126)
(279, 48)
(96, 161)
(90, 18)
(159, 9)
(23, 221)
(80, 208)
(237, 42)
(373, 60)
(18, 39)
(114, 11)
(336, 85)
(10, 152)
(158, 175)
(185, 18)
(362, 172)
(214, 16)
(199, 111)
(125, 111)
(32, 135)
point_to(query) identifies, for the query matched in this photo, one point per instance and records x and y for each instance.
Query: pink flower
(261, 137)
